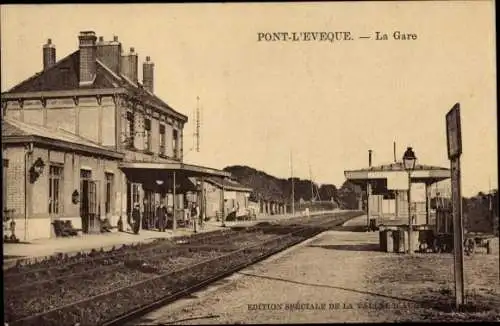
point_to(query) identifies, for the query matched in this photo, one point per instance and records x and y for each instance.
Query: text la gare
(397, 35)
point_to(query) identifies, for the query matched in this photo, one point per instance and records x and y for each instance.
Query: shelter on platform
(386, 188)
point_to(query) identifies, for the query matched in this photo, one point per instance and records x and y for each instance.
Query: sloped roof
(13, 129)
(64, 75)
(9, 129)
(228, 184)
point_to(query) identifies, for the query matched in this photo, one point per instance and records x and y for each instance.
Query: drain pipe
(28, 152)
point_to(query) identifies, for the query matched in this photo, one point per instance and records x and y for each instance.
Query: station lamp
(409, 160)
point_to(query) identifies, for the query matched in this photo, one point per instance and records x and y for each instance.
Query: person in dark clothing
(160, 216)
(120, 224)
(136, 218)
(105, 225)
(170, 217)
(129, 219)
(194, 216)
(144, 220)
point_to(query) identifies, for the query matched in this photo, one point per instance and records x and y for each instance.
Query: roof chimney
(88, 55)
(109, 53)
(129, 65)
(370, 158)
(148, 74)
(49, 54)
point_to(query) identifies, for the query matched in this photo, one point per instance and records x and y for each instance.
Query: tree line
(268, 187)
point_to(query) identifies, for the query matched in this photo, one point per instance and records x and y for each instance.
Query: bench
(64, 228)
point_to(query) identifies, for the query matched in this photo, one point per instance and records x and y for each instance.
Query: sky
(325, 104)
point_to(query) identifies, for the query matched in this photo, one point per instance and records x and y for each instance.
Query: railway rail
(138, 283)
(65, 260)
(23, 275)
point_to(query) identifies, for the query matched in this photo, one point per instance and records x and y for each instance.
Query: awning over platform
(392, 172)
(188, 170)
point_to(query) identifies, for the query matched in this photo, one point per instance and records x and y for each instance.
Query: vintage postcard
(249, 163)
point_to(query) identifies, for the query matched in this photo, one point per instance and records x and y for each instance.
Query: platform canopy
(394, 174)
(139, 171)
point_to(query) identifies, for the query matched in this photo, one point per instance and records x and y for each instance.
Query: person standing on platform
(170, 217)
(136, 218)
(195, 213)
(160, 216)
(155, 222)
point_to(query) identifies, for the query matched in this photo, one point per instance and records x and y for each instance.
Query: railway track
(64, 260)
(24, 274)
(200, 261)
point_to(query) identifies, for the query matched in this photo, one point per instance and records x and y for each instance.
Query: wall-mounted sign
(397, 180)
(454, 132)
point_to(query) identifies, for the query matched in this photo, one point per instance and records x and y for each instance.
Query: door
(94, 209)
(89, 203)
(84, 205)
(147, 221)
(132, 198)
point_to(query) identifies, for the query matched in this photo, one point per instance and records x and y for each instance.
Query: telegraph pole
(197, 132)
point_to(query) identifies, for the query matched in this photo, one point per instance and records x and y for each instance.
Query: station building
(84, 140)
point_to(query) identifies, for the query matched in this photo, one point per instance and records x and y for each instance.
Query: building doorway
(133, 197)
(149, 210)
(89, 204)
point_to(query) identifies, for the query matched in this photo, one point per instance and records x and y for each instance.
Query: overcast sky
(326, 102)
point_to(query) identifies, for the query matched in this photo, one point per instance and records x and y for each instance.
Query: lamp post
(409, 160)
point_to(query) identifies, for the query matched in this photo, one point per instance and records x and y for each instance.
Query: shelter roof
(15, 131)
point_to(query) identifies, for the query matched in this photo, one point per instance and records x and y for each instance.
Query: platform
(323, 278)
(86, 242)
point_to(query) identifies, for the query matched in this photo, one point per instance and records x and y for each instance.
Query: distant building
(236, 196)
(83, 140)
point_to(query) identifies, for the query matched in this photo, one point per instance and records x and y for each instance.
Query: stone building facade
(91, 97)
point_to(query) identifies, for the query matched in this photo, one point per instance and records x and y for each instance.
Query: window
(147, 135)
(109, 192)
(162, 139)
(130, 130)
(55, 191)
(175, 142)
